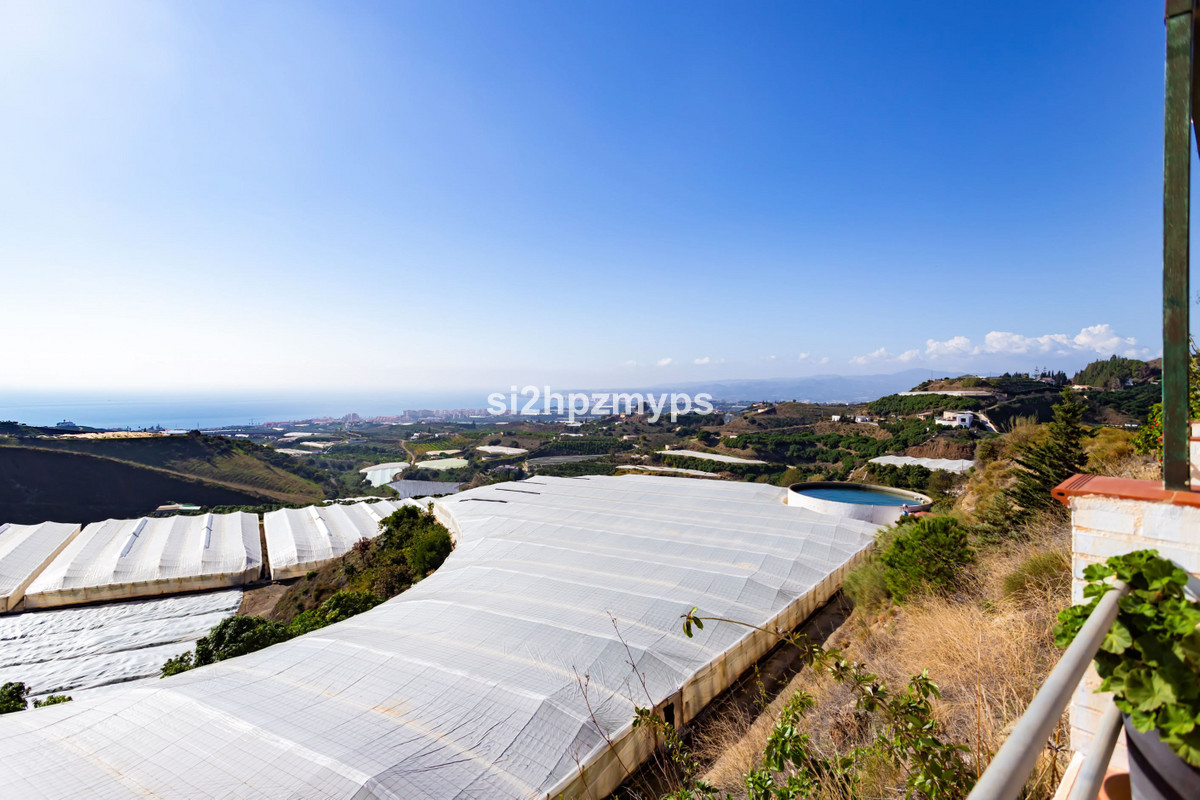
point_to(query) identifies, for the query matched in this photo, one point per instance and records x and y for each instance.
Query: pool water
(857, 495)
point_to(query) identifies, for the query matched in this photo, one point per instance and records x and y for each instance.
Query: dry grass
(942, 447)
(987, 652)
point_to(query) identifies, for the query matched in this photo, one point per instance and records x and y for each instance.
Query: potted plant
(1150, 661)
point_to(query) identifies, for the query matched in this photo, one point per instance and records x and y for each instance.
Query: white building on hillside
(956, 419)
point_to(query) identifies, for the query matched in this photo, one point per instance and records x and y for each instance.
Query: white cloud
(1103, 339)
(702, 361)
(1100, 339)
(959, 345)
(805, 356)
(630, 363)
(824, 360)
(768, 358)
(908, 355)
(879, 355)
(663, 362)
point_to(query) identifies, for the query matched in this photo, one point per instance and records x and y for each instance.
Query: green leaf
(1176, 720)
(1118, 638)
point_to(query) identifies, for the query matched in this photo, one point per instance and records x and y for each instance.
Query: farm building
(407, 489)
(303, 539)
(959, 465)
(472, 683)
(122, 558)
(25, 550)
(380, 474)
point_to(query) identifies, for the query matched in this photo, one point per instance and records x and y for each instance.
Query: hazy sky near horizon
(476, 194)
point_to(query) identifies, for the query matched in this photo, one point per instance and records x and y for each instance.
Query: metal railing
(1005, 777)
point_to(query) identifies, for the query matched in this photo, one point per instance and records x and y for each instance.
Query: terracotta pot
(1155, 772)
(1115, 787)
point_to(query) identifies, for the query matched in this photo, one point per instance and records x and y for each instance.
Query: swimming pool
(880, 504)
(860, 495)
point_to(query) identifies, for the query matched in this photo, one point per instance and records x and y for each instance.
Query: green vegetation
(234, 463)
(582, 446)
(1133, 401)
(927, 556)
(866, 584)
(904, 733)
(575, 469)
(86, 480)
(908, 476)
(1149, 438)
(233, 636)
(742, 471)
(1150, 658)
(411, 544)
(1044, 463)
(38, 484)
(12, 698)
(1112, 373)
(237, 636)
(902, 405)
(342, 605)
(837, 454)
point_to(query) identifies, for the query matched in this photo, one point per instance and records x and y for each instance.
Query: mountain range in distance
(812, 389)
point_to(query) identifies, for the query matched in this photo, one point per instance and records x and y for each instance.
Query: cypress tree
(1044, 464)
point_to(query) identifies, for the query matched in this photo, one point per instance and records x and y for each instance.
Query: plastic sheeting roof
(424, 488)
(724, 459)
(469, 684)
(75, 651)
(125, 558)
(303, 539)
(382, 473)
(24, 551)
(947, 464)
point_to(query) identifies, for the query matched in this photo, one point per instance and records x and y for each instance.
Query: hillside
(237, 464)
(784, 415)
(38, 485)
(1112, 373)
(81, 480)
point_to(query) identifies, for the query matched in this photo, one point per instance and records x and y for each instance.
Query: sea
(139, 411)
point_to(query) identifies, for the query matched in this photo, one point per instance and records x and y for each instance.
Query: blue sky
(476, 194)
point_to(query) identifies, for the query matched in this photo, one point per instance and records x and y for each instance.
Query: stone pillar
(1112, 516)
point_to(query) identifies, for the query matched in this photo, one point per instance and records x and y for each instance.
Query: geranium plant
(1150, 658)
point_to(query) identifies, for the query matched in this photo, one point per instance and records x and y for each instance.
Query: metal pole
(1095, 764)
(1177, 146)
(1005, 777)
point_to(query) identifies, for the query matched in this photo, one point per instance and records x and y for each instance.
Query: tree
(1044, 463)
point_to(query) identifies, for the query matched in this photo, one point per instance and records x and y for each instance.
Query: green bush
(926, 556)
(865, 584)
(233, 636)
(236, 636)
(988, 450)
(428, 551)
(340, 606)
(1049, 569)
(51, 700)
(12, 697)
